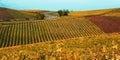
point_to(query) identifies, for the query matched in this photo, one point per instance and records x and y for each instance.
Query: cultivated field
(105, 24)
(102, 47)
(79, 36)
(21, 33)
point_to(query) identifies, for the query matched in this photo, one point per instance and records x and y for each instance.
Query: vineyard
(113, 18)
(21, 33)
(85, 35)
(106, 24)
(102, 47)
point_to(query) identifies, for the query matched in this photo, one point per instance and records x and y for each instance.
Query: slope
(95, 47)
(102, 12)
(22, 33)
(11, 14)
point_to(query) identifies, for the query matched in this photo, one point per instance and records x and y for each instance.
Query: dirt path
(49, 16)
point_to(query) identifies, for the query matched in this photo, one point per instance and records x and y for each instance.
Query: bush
(40, 16)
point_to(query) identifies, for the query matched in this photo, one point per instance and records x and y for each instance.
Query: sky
(60, 4)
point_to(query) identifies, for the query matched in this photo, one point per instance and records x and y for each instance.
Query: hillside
(108, 20)
(113, 12)
(103, 47)
(88, 35)
(102, 12)
(31, 32)
(10, 14)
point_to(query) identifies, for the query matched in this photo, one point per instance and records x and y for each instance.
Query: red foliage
(105, 24)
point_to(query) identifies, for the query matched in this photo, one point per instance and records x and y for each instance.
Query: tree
(60, 12)
(63, 12)
(66, 12)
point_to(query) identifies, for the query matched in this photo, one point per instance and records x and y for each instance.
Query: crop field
(21, 33)
(105, 24)
(113, 18)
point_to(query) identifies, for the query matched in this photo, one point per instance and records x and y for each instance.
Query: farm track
(14, 34)
(107, 24)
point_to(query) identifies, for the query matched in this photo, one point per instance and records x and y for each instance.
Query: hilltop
(34, 11)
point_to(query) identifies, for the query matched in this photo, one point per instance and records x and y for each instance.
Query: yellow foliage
(104, 49)
(115, 46)
(52, 58)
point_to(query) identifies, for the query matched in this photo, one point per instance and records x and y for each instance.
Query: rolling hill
(23, 33)
(102, 12)
(56, 29)
(88, 35)
(7, 14)
(34, 11)
(107, 20)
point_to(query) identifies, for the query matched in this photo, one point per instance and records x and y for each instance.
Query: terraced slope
(21, 33)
